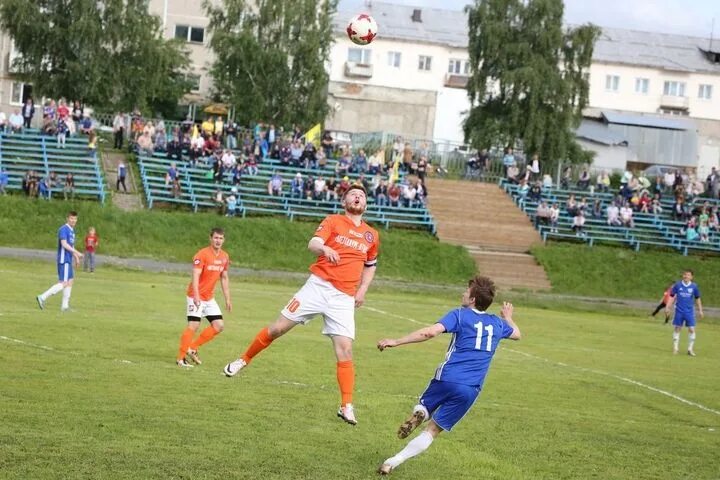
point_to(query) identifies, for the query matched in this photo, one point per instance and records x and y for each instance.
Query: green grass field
(95, 394)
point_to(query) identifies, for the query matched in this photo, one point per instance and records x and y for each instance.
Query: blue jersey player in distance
(685, 294)
(459, 378)
(67, 255)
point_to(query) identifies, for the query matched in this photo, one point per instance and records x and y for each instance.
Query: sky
(687, 17)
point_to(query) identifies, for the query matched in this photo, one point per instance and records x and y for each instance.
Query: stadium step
(498, 235)
(131, 200)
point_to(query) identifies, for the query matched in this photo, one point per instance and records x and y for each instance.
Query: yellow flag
(313, 135)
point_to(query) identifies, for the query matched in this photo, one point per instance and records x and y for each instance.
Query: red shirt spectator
(91, 241)
(63, 111)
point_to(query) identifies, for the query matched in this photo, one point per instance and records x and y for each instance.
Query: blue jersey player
(459, 378)
(66, 256)
(685, 294)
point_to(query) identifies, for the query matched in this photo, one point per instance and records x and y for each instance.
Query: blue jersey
(68, 234)
(685, 296)
(475, 336)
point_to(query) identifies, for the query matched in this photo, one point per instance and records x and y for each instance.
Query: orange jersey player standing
(347, 250)
(210, 264)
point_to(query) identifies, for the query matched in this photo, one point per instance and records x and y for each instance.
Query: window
(16, 94)
(194, 81)
(705, 92)
(459, 67)
(675, 89)
(425, 63)
(360, 55)
(612, 83)
(394, 59)
(642, 85)
(190, 34)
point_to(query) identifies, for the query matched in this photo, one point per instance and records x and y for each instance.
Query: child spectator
(92, 145)
(554, 217)
(92, 240)
(579, 224)
(62, 130)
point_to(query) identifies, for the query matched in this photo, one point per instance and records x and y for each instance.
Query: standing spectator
(28, 111)
(69, 186)
(422, 193)
(63, 112)
(171, 174)
(554, 217)
(231, 205)
(327, 144)
(16, 122)
(231, 130)
(91, 243)
(62, 130)
(547, 182)
(92, 145)
(508, 159)
(683, 294)
(219, 128)
(535, 167)
(584, 180)
(271, 137)
(4, 180)
(566, 178)
(49, 111)
(407, 157)
(542, 215)
(119, 130)
(121, 174)
(77, 111)
(422, 167)
(219, 200)
(176, 188)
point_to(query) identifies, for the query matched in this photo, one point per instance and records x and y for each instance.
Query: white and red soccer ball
(362, 29)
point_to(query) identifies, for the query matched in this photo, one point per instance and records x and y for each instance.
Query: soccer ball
(362, 29)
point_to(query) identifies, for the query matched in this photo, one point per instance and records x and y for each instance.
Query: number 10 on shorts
(293, 305)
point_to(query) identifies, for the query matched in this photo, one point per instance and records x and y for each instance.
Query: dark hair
(72, 213)
(217, 230)
(689, 271)
(482, 289)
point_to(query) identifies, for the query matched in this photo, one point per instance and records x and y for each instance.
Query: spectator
(547, 182)
(571, 206)
(86, 126)
(669, 181)
(208, 127)
(121, 175)
(44, 187)
(118, 126)
(535, 193)
(407, 157)
(554, 217)
(219, 200)
(271, 137)
(77, 111)
(584, 180)
(16, 122)
(343, 186)
(30, 184)
(275, 185)
(319, 188)
(171, 174)
(62, 130)
(381, 194)
(597, 210)
(578, 225)
(542, 215)
(422, 167)
(656, 205)
(238, 172)
(228, 159)
(50, 110)
(360, 162)
(231, 205)
(327, 143)
(659, 187)
(176, 188)
(513, 174)
(613, 215)
(409, 194)
(535, 167)
(231, 131)
(296, 152)
(691, 233)
(4, 180)
(566, 178)
(309, 156)
(332, 186)
(63, 112)
(626, 216)
(174, 148)
(602, 183)
(92, 145)
(69, 188)
(342, 167)
(219, 128)
(145, 144)
(394, 194)
(422, 193)
(91, 243)
(508, 160)
(644, 202)
(680, 211)
(296, 186)
(161, 143)
(3, 123)
(28, 112)
(251, 165)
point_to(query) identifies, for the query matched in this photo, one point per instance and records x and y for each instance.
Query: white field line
(27, 344)
(583, 369)
(392, 315)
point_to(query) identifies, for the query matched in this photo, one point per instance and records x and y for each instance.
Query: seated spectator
(296, 186)
(522, 190)
(363, 181)
(171, 174)
(174, 149)
(197, 147)
(381, 194)
(228, 159)
(218, 171)
(86, 125)
(238, 172)
(584, 180)
(145, 144)
(161, 143)
(176, 188)
(321, 159)
(626, 216)
(44, 189)
(542, 215)
(691, 233)
(3, 123)
(29, 183)
(644, 202)
(602, 183)
(535, 193)
(578, 225)
(342, 167)
(554, 217)
(4, 180)
(309, 187)
(296, 151)
(275, 185)
(394, 194)
(566, 178)
(212, 144)
(713, 220)
(409, 194)
(16, 122)
(680, 211)
(626, 192)
(343, 186)
(285, 155)
(69, 188)
(251, 165)
(219, 200)
(513, 174)
(326, 143)
(319, 188)
(374, 165)
(597, 210)
(331, 190)
(571, 206)
(308, 158)
(613, 215)
(656, 205)
(231, 210)
(359, 163)
(547, 182)
(668, 182)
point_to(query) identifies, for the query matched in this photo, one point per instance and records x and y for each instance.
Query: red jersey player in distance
(210, 264)
(347, 250)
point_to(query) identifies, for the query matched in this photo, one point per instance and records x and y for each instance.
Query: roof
(648, 121)
(599, 132)
(665, 51)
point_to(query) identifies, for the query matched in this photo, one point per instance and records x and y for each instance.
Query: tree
(270, 58)
(529, 80)
(110, 54)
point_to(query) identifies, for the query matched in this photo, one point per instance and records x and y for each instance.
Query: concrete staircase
(131, 200)
(483, 218)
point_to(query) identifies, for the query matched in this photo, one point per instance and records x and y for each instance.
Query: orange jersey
(357, 247)
(212, 266)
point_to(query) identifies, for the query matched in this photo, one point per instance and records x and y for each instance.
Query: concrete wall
(608, 157)
(367, 108)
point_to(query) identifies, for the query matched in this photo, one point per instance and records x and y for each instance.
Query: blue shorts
(448, 402)
(684, 319)
(65, 272)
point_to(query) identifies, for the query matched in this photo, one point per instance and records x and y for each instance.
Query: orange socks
(204, 337)
(346, 380)
(261, 342)
(185, 341)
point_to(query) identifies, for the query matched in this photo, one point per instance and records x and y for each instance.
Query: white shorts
(207, 308)
(320, 297)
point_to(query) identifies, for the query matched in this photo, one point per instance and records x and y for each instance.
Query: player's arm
(699, 307)
(69, 248)
(366, 279)
(417, 336)
(506, 313)
(670, 302)
(196, 286)
(317, 246)
(225, 285)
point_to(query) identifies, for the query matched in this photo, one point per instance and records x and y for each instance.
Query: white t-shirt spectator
(229, 160)
(319, 185)
(626, 214)
(16, 120)
(578, 220)
(613, 213)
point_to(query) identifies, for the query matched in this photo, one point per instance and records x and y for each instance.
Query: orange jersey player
(210, 264)
(347, 250)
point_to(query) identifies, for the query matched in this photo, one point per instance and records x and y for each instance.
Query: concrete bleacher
(197, 192)
(20, 153)
(649, 230)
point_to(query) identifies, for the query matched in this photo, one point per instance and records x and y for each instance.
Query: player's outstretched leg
(419, 415)
(48, 293)
(415, 447)
(261, 341)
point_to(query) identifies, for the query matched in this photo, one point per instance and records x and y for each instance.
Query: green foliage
(622, 273)
(270, 58)
(257, 243)
(95, 394)
(529, 78)
(110, 54)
